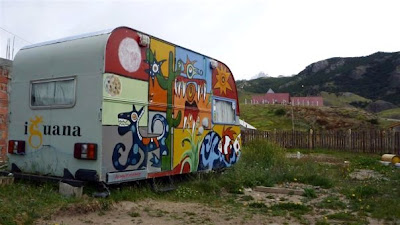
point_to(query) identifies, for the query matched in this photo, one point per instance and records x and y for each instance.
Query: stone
(69, 190)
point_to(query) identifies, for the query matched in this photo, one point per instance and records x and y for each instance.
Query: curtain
(53, 93)
(224, 112)
(42, 94)
(64, 92)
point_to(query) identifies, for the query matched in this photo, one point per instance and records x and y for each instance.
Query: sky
(277, 37)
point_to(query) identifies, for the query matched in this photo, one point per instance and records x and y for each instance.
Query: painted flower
(222, 80)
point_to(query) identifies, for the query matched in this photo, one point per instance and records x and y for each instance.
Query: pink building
(307, 101)
(284, 98)
(272, 98)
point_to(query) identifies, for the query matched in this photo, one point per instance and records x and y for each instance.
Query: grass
(332, 202)
(343, 99)
(261, 164)
(134, 214)
(343, 216)
(275, 116)
(292, 207)
(24, 202)
(279, 117)
(309, 193)
(390, 113)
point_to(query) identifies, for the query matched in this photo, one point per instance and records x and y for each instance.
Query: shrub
(260, 164)
(280, 112)
(309, 193)
(292, 207)
(317, 180)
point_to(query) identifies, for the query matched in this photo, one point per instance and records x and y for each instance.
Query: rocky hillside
(375, 77)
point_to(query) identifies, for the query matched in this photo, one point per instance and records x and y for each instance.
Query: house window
(224, 111)
(55, 93)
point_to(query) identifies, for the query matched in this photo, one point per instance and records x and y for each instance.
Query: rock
(365, 174)
(319, 65)
(379, 106)
(248, 190)
(69, 190)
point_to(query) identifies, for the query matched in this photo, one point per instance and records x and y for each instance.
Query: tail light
(85, 151)
(16, 147)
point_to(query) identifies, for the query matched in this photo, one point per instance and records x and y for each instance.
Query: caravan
(118, 106)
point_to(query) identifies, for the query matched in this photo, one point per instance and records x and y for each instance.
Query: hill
(390, 114)
(270, 117)
(375, 77)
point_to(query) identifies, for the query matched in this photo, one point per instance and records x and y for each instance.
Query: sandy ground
(151, 211)
(163, 212)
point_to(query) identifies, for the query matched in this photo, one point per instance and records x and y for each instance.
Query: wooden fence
(368, 141)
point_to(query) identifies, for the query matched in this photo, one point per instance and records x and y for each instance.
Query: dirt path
(152, 211)
(163, 212)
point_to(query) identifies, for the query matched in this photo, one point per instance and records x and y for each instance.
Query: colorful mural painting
(129, 122)
(162, 109)
(174, 129)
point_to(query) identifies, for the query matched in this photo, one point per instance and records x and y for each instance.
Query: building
(5, 72)
(272, 98)
(307, 101)
(284, 99)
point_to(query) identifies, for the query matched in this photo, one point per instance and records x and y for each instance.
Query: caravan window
(53, 93)
(224, 111)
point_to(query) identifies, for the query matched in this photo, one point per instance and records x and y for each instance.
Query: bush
(373, 121)
(309, 193)
(293, 207)
(317, 180)
(366, 191)
(260, 164)
(280, 112)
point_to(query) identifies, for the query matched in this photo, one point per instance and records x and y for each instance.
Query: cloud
(280, 37)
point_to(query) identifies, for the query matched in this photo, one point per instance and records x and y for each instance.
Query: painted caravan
(119, 106)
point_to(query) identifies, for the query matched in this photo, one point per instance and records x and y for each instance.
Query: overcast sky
(278, 37)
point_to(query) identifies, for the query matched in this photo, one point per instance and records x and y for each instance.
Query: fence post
(310, 139)
(348, 145)
(393, 150)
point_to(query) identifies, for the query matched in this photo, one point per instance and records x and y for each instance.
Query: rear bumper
(33, 177)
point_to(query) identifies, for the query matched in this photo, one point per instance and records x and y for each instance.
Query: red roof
(272, 98)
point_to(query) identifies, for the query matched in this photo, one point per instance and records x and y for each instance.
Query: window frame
(53, 106)
(233, 102)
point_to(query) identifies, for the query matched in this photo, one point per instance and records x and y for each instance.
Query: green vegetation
(261, 164)
(390, 113)
(309, 193)
(344, 100)
(279, 117)
(24, 202)
(269, 117)
(332, 202)
(293, 207)
(343, 216)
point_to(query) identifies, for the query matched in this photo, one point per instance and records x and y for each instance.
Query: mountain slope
(376, 77)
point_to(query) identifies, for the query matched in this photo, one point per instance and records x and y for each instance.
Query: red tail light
(85, 151)
(16, 147)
